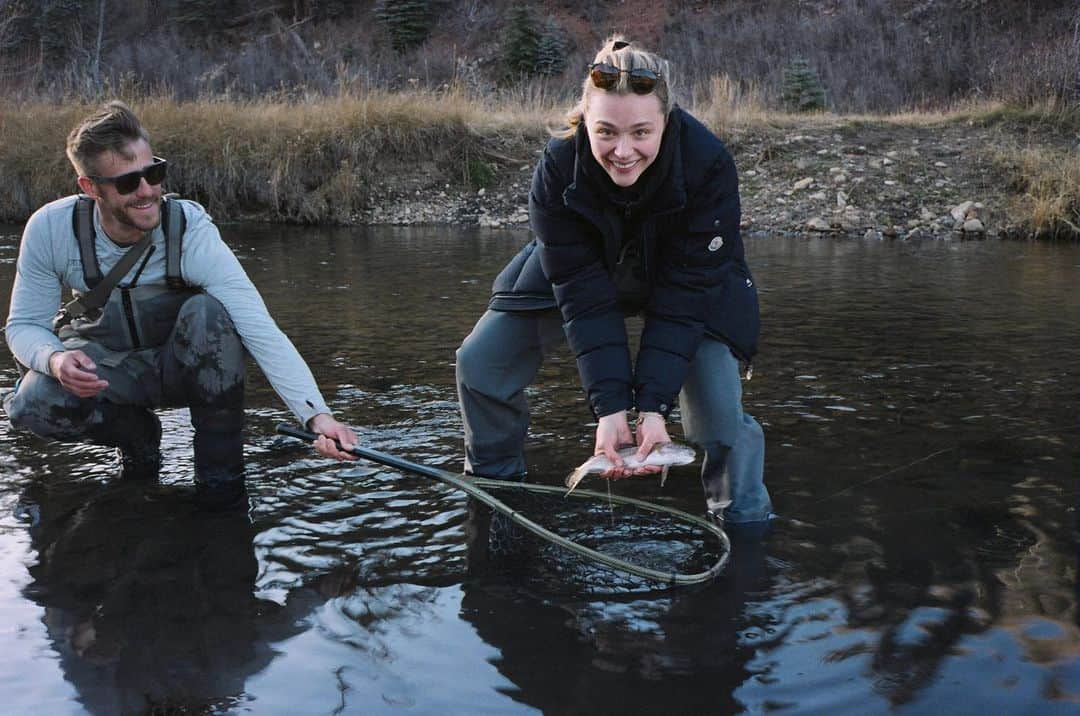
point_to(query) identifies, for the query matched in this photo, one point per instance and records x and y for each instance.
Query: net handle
(472, 487)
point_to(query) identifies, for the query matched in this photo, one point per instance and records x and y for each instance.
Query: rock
(960, 211)
(802, 184)
(841, 199)
(872, 235)
(973, 226)
(818, 224)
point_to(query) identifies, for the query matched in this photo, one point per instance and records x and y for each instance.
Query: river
(920, 403)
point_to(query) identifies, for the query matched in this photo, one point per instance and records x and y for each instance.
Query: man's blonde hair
(110, 129)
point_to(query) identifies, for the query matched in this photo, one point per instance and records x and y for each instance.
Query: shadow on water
(920, 404)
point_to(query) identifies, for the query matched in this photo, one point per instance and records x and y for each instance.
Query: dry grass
(314, 160)
(324, 160)
(1047, 183)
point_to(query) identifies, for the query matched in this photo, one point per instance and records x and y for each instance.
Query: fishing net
(606, 543)
(601, 542)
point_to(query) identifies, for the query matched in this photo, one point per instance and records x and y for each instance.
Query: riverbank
(436, 159)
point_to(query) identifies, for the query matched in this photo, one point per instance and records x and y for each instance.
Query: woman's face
(624, 133)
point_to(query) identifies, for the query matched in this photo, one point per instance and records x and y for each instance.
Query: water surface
(920, 401)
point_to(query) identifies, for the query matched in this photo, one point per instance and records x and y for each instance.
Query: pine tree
(408, 21)
(53, 24)
(803, 91)
(550, 49)
(522, 40)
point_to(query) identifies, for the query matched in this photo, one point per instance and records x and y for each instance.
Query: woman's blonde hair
(618, 52)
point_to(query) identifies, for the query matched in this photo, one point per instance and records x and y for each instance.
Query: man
(173, 332)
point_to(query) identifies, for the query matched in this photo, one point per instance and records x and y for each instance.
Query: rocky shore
(844, 179)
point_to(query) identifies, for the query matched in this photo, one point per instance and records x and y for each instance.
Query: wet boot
(136, 435)
(716, 481)
(506, 541)
(219, 458)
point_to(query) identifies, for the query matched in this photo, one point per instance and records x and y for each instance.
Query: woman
(635, 209)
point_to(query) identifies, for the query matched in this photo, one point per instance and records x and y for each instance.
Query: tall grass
(1047, 184)
(320, 159)
(310, 160)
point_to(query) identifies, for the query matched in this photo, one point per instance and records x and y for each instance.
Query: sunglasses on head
(153, 173)
(640, 79)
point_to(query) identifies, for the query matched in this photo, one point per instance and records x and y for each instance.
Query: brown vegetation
(337, 159)
(308, 111)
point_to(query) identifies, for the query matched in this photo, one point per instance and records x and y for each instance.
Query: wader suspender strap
(96, 297)
(173, 224)
(82, 221)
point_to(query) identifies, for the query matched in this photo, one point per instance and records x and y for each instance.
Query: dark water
(921, 410)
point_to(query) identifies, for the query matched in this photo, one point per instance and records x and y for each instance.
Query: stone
(974, 226)
(960, 211)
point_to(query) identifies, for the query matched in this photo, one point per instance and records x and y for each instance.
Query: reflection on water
(920, 404)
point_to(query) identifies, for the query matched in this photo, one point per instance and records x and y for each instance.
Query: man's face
(125, 217)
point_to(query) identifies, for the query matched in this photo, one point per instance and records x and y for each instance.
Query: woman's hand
(329, 430)
(613, 432)
(651, 431)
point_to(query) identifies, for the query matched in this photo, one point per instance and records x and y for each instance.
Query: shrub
(803, 91)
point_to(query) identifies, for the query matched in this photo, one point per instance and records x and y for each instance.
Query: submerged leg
(203, 367)
(712, 416)
(117, 417)
(495, 363)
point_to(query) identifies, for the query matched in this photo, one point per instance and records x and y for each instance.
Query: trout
(663, 455)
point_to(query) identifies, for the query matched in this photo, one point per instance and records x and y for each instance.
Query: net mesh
(650, 537)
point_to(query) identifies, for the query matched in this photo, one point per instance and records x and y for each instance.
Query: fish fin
(663, 475)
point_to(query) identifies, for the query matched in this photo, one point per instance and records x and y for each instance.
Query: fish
(663, 455)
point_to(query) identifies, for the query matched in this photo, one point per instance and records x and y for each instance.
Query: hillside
(870, 55)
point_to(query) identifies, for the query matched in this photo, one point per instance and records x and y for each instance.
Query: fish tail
(574, 478)
(663, 475)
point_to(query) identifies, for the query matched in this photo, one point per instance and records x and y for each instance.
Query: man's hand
(76, 373)
(612, 432)
(329, 430)
(651, 431)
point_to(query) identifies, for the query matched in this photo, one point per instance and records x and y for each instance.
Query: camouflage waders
(159, 345)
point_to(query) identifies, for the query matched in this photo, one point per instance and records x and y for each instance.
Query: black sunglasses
(153, 173)
(642, 80)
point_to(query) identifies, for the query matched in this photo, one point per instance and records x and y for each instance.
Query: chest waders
(134, 317)
(164, 344)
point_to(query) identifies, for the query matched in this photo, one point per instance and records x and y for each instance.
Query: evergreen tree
(550, 49)
(407, 21)
(522, 39)
(53, 23)
(803, 91)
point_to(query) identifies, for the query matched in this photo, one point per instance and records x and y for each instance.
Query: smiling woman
(635, 210)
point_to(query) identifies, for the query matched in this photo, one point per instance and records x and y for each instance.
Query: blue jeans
(500, 358)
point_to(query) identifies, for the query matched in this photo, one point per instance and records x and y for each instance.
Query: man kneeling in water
(172, 333)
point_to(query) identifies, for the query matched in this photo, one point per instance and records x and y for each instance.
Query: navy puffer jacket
(686, 225)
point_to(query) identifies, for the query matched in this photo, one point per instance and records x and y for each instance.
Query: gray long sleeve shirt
(49, 264)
